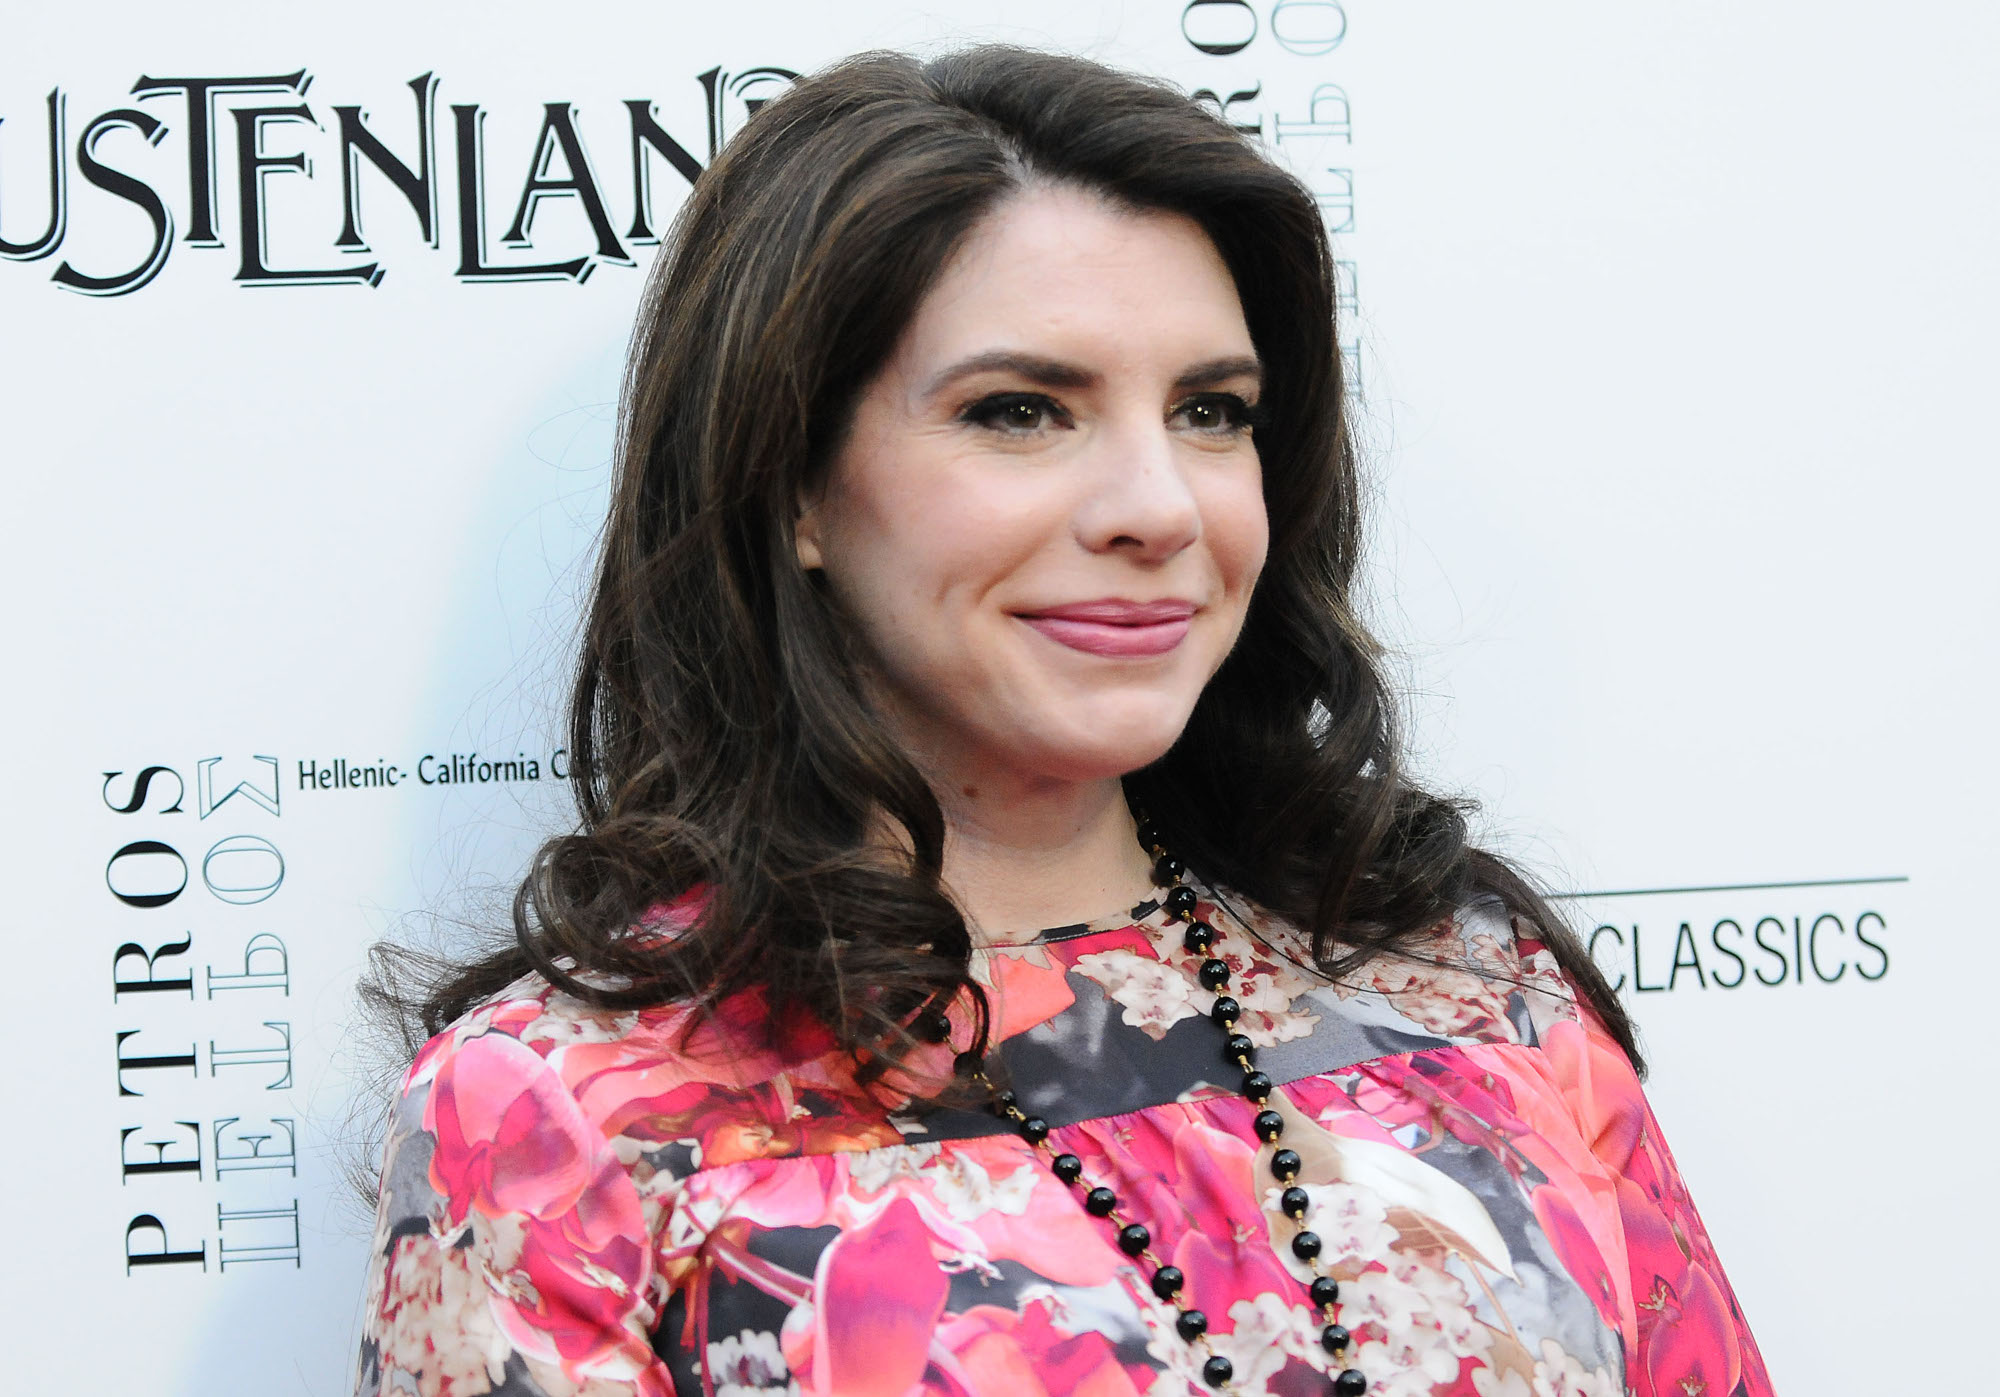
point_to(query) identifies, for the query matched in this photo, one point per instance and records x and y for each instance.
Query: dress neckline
(1149, 912)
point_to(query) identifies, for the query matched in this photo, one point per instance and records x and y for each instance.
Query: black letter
(356, 141)
(1812, 949)
(1715, 940)
(1638, 980)
(165, 1256)
(647, 131)
(1685, 937)
(472, 214)
(1873, 946)
(1223, 104)
(155, 1060)
(159, 1163)
(740, 85)
(559, 133)
(140, 848)
(1757, 932)
(51, 236)
(120, 985)
(141, 784)
(125, 187)
(251, 166)
(201, 136)
(1219, 46)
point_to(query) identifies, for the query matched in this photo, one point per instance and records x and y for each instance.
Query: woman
(1001, 952)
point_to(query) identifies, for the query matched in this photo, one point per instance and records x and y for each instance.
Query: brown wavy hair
(718, 731)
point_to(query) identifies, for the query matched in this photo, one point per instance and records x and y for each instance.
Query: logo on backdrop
(388, 167)
(425, 164)
(432, 769)
(202, 971)
(1769, 935)
(201, 978)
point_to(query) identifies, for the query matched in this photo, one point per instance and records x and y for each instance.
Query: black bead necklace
(1134, 1239)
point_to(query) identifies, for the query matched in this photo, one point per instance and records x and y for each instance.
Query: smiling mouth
(1115, 628)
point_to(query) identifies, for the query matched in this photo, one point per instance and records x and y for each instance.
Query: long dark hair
(718, 733)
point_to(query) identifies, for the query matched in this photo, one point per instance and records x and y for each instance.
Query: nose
(1139, 501)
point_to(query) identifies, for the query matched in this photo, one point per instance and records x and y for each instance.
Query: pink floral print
(603, 1205)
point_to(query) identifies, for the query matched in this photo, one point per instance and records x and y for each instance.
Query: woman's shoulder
(540, 1177)
(680, 1087)
(1487, 973)
(1482, 974)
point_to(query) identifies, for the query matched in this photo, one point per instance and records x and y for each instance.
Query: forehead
(1063, 270)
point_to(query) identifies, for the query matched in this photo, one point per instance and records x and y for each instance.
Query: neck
(1020, 856)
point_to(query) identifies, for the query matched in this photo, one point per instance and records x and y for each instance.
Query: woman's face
(1048, 515)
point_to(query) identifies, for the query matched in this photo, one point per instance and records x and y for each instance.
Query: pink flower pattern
(576, 1203)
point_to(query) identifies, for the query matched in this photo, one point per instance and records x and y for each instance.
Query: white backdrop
(1674, 330)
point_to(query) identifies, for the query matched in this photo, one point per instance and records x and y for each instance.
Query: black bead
(1269, 1125)
(1285, 1165)
(1198, 938)
(967, 1064)
(1191, 1324)
(1326, 1291)
(1333, 1338)
(1149, 836)
(1100, 1201)
(1217, 1371)
(1305, 1246)
(931, 1027)
(1181, 901)
(1133, 1238)
(1226, 1011)
(1295, 1201)
(1351, 1383)
(1035, 1130)
(1004, 1101)
(1167, 1282)
(1257, 1087)
(1238, 1046)
(1067, 1167)
(1168, 871)
(1214, 974)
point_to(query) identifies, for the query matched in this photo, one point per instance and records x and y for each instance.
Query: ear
(805, 536)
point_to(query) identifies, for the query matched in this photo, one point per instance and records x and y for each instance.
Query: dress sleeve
(1685, 1331)
(513, 1251)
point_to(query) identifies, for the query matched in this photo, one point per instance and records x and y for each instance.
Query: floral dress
(580, 1202)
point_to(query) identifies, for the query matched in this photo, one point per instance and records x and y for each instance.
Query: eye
(1220, 414)
(1018, 414)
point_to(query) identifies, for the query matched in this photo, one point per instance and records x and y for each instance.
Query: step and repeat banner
(1672, 326)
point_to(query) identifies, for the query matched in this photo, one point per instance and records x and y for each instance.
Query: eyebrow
(1055, 373)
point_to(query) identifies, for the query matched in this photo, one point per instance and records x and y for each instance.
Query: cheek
(914, 556)
(1238, 529)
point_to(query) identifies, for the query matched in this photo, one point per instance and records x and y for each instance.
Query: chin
(1108, 748)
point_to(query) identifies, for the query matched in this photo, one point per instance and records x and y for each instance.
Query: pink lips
(1115, 627)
